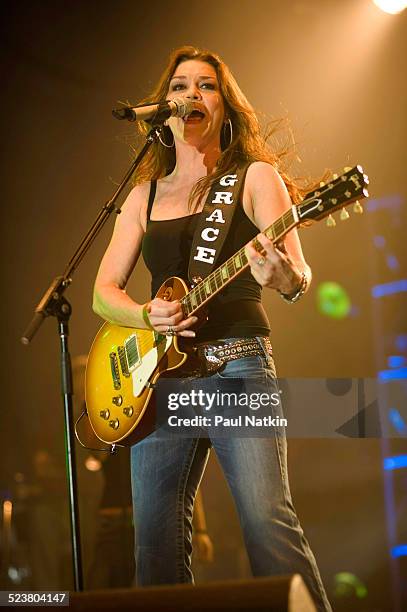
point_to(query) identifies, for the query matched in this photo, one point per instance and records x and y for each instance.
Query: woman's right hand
(166, 316)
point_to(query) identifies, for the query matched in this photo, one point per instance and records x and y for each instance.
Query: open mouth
(195, 116)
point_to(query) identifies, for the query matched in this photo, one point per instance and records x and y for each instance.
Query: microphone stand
(53, 303)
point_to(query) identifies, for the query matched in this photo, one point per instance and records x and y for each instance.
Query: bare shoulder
(261, 174)
(265, 195)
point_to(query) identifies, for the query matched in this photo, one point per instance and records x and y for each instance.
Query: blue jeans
(166, 473)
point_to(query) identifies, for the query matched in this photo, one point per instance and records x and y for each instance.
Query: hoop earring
(163, 143)
(230, 130)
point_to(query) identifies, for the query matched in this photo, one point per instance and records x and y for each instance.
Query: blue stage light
(395, 463)
(401, 342)
(396, 361)
(379, 241)
(392, 262)
(393, 201)
(394, 374)
(397, 421)
(389, 288)
(399, 551)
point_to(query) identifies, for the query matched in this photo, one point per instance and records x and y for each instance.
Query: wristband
(291, 299)
(146, 318)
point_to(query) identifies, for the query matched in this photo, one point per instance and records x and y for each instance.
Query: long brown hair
(248, 144)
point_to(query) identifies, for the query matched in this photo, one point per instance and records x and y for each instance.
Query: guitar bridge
(114, 368)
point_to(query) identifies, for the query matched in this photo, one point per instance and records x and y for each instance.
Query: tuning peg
(322, 184)
(334, 176)
(357, 208)
(344, 214)
(330, 222)
(347, 168)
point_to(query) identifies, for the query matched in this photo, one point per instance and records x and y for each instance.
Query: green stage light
(333, 301)
(347, 584)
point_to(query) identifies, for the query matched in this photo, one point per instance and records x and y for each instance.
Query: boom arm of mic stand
(60, 283)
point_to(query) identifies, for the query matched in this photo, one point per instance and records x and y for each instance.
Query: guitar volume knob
(114, 423)
(128, 411)
(104, 414)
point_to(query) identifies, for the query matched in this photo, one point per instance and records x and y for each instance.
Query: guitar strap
(214, 223)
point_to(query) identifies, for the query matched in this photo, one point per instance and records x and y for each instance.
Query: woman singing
(159, 218)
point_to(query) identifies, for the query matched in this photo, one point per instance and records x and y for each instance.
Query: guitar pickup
(123, 361)
(131, 352)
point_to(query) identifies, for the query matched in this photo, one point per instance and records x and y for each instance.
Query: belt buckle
(212, 363)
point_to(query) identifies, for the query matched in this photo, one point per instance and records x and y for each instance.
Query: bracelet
(146, 319)
(291, 299)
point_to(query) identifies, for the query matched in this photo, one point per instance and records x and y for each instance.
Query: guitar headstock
(338, 193)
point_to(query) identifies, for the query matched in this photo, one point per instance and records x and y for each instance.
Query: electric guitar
(124, 363)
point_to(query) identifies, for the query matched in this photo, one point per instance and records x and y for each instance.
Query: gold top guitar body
(123, 365)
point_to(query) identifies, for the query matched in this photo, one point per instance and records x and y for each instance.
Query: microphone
(155, 113)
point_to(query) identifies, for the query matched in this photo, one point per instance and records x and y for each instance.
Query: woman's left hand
(273, 268)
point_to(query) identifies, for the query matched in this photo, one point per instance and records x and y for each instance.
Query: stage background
(336, 69)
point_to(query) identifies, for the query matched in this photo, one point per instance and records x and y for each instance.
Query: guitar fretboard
(219, 278)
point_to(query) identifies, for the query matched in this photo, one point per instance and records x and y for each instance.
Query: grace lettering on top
(205, 254)
(223, 196)
(210, 230)
(228, 181)
(211, 234)
(216, 216)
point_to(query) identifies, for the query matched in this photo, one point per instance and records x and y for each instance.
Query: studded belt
(214, 355)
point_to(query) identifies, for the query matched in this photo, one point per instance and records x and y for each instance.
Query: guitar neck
(224, 274)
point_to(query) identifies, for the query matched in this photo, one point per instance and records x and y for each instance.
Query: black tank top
(236, 311)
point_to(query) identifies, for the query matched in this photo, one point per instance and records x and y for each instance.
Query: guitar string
(211, 279)
(278, 228)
